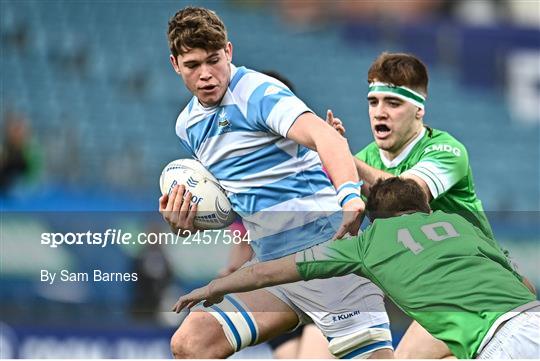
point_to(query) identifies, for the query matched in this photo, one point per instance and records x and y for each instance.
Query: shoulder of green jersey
(445, 143)
(438, 176)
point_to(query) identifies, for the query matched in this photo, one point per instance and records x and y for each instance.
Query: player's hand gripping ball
(214, 211)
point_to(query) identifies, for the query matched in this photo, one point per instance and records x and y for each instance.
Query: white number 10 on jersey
(435, 231)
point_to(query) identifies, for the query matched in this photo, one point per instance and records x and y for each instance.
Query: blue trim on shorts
(231, 326)
(370, 347)
(244, 314)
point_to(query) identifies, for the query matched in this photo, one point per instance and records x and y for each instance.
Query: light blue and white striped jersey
(277, 186)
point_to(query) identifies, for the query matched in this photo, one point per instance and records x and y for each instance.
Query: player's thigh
(222, 329)
(418, 343)
(286, 346)
(288, 349)
(313, 344)
(272, 316)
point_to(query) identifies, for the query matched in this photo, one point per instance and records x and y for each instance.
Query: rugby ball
(214, 211)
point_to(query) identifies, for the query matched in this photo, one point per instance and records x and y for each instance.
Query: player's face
(394, 123)
(206, 74)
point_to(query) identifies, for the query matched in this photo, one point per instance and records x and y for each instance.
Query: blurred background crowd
(88, 107)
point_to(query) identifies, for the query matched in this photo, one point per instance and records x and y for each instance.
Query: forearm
(369, 174)
(335, 147)
(259, 275)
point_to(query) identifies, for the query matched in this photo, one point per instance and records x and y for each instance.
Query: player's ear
(420, 112)
(228, 51)
(174, 63)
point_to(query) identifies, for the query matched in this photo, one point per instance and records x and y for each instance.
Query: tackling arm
(250, 278)
(370, 175)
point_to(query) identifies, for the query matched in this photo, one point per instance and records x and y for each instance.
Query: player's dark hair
(276, 75)
(394, 196)
(194, 27)
(400, 69)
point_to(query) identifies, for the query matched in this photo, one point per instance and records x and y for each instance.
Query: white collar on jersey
(226, 98)
(233, 71)
(395, 162)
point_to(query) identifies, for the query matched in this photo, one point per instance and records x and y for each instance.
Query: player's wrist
(210, 289)
(349, 191)
(354, 205)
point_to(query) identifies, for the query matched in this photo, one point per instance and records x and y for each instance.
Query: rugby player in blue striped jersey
(267, 149)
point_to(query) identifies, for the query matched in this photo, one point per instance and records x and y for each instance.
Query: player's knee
(179, 347)
(199, 336)
(403, 353)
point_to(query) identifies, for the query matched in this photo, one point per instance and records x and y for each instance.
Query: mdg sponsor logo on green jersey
(443, 148)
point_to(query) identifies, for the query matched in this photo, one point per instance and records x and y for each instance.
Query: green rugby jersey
(443, 163)
(437, 268)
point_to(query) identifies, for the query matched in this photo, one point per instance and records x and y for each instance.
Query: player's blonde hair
(194, 27)
(400, 69)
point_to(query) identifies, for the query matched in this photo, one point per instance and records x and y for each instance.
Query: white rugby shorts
(338, 306)
(518, 338)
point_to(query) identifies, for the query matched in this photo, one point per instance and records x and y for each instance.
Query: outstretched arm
(250, 278)
(370, 175)
(312, 132)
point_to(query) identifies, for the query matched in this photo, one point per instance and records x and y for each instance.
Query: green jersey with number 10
(443, 163)
(438, 268)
